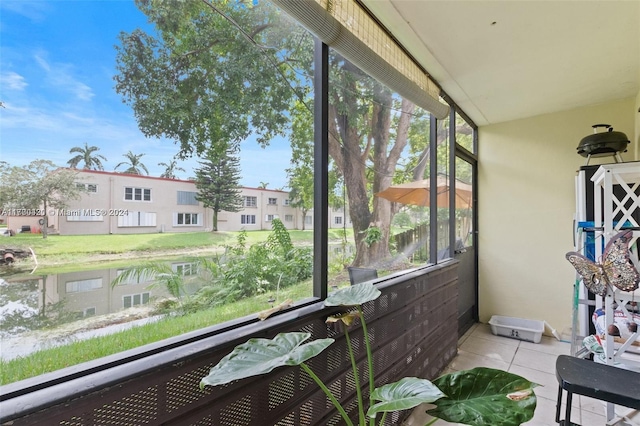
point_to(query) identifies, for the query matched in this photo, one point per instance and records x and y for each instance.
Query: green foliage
(261, 356)
(262, 267)
(38, 186)
(479, 397)
(373, 234)
(218, 181)
(279, 239)
(484, 396)
(170, 169)
(195, 71)
(404, 394)
(402, 219)
(86, 155)
(135, 166)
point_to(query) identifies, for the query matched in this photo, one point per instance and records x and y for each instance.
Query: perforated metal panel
(413, 332)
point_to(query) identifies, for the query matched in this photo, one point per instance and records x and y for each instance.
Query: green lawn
(109, 244)
(72, 250)
(77, 352)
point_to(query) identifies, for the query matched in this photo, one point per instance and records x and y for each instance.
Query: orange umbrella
(417, 193)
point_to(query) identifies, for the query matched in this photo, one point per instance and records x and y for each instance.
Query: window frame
(184, 216)
(246, 203)
(137, 189)
(244, 219)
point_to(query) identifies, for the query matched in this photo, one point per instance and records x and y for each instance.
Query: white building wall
(119, 203)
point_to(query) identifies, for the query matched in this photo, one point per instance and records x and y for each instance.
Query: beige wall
(636, 110)
(526, 206)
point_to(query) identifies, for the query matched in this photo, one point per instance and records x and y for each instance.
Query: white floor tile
(489, 348)
(535, 360)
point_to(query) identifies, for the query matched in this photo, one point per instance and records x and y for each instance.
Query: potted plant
(480, 397)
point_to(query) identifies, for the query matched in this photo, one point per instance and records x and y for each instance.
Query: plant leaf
(485, 396)
(346, 318)
(406, 393)
(260, 356)
(353, 295)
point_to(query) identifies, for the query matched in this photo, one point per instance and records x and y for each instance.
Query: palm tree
(86, 155)
(170, 169)
(134, 164)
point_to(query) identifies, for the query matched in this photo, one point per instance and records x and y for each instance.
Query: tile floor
(536, 362)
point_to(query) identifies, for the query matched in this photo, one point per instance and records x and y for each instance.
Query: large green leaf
(485, 397)
(353, 295)
(406, 393)
(260, 356)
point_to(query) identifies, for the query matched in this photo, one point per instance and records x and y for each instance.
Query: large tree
(39, 187)
(88, 156)
(218, 182)
(219, 71)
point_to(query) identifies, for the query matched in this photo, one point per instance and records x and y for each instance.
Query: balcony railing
(413, 331)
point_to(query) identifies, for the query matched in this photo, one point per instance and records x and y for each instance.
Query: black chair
(595, 380)
(360, 275)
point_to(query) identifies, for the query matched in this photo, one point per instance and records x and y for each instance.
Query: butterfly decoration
(615, 267)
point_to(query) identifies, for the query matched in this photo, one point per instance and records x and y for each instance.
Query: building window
(250, 201)
(273, 201)
(270, 217)
(248, 219)
(288, 218)
(185, 269)
(89, 187)
(187, 198)
(83, 285)
(135, 299)
(137, 219)
(308, 220)
(286, 202)
(137, 194)
(338, 220)
(187, 219)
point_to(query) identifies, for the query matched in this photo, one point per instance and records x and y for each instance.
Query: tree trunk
(45, 223)
(351, 158)
(215, 221)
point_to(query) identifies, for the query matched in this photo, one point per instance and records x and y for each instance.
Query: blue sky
(57, 62)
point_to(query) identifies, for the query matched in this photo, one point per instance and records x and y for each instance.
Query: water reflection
(31, 303)
(38, 311)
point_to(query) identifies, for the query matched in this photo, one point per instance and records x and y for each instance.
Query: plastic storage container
(517, 328)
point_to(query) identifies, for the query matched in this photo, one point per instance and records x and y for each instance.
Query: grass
(77, 352)
(57, 250)
(59, 253)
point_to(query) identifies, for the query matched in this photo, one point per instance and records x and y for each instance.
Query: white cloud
(60, 76)
(33, 10)
(42, 62)
(12, 81)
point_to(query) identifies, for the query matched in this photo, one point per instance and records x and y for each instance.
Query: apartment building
(120, 203)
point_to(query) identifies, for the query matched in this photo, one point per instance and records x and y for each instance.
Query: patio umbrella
(417, 193)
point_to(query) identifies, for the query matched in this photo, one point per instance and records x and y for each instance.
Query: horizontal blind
(346, 27)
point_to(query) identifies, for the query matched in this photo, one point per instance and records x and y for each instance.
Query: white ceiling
(504, 60)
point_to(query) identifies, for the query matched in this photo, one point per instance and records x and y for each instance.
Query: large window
(248, 219)
(137, 219)
(187, 198)
(183, 219)
(137, 194)
(227, 129)
(386, 225)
